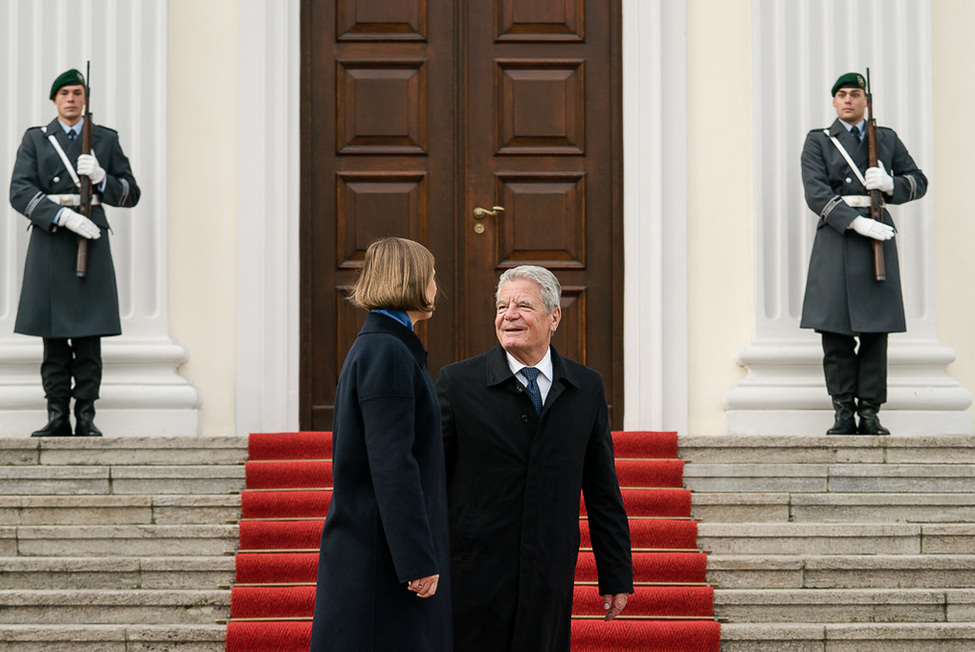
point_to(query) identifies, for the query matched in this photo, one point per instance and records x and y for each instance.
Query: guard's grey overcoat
(54, 303)
(514, 482)
(387, 521)
(842, 295)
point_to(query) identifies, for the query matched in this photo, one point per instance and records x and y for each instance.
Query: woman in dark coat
(384, 566)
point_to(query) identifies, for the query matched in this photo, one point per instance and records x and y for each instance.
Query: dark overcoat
(387, 521)
(842, 294)
(54, 302)
(514, 480)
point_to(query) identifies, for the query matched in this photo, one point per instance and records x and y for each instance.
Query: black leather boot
(844, 408)
(58, 424)
(84, 414)
(869, 421)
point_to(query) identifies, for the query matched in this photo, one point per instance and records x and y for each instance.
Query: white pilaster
(268, 217)
(800, 48)
(655, 186)
(126, 43)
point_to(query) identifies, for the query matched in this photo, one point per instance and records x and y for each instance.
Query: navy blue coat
(387, 522)
(842, 294)
(55, 303)
(514, 480)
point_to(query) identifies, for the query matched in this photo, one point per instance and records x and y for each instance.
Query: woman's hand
(424, 587)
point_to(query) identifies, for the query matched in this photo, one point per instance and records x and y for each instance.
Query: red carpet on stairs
(288, 490)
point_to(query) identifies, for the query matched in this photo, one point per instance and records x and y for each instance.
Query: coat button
(56, 179)
(849, 180)
(524, 418)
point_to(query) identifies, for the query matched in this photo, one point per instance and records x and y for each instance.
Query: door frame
(654, 203)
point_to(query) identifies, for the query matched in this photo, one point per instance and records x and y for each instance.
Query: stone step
(937, 449)
(848, 637)
(173, 607)
(834, 507)
(118, 509)
(834, 478)
(117, 540)
(149, 451)
(843, 572)
(845, 605)
(117, 573)
(151, 480)
(836, 538)
(112, 638)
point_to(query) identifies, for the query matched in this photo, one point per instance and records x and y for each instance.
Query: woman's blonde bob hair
(395, 275)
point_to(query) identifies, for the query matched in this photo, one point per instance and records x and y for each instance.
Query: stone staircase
(117, 544)
(838, 544)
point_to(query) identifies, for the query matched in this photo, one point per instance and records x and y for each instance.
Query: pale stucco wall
(721, 237)
(202, 201)
(954, 144)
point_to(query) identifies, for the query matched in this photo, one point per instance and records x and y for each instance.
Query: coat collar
(498, 370)
(379, 323)
(840, 131)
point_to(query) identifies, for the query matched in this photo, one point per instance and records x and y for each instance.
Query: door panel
(414, 113)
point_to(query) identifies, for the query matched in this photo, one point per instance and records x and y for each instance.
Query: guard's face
(522, 325)
(70, 102)
(850, 105)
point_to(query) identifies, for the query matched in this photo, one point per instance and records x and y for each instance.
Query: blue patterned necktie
(855, 131)
(531, 373)
(72, 134)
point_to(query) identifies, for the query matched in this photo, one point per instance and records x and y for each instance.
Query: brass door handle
(481, 213)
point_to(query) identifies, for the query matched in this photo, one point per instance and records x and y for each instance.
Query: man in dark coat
(72, 314)
(843, 300)
(525, 430)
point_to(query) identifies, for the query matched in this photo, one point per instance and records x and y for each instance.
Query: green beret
(849, 80)
(70, 78)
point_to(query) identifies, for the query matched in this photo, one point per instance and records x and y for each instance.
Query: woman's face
(431, 295)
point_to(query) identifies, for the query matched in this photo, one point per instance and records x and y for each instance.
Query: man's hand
(878, 179)
(79, 224)
(424, 587)
(869, 228)
(88, 166)
(613, 604)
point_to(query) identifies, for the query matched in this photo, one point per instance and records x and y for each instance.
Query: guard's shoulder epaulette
(104, 128)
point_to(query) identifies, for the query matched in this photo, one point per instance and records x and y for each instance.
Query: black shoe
(58, 424)
(844, 408)
(84, 414)
(869, 421)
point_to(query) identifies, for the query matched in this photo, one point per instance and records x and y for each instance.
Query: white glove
(88, 165)
(878, 179)
(79, 224)
(869, 228)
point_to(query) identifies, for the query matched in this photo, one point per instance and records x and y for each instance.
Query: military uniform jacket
(842, 295)
(513, 485)
(54, 303)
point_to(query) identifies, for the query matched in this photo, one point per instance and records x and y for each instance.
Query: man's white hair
(550, 286)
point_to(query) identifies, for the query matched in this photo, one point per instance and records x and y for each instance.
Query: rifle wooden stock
(876, 208)
(86, 190)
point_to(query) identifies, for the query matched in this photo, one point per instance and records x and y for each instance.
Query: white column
(655, 186)
(800, 48)
(268, 217)
(126, 43)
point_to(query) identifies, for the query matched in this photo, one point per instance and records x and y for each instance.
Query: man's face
(850, 105)
(70, 102)
(522, 325)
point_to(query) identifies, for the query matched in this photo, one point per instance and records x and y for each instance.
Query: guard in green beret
(71, 314)
(843, 301)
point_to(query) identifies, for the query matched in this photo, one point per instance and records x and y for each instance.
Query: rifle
(876, 208)
(86, 190)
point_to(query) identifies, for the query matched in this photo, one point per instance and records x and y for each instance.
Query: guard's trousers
(852, 370)
(79, 358)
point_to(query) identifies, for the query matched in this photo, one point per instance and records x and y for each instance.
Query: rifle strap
(64, 159)
(846, 155)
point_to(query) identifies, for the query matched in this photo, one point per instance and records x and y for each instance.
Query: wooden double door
(416, 113)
